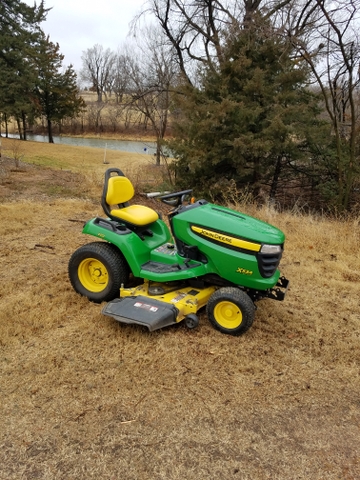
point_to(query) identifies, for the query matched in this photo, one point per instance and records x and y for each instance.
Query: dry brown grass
(78, 159)
(88, 161)
(85, 397)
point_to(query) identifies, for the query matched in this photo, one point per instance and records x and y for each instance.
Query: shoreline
(105, 136)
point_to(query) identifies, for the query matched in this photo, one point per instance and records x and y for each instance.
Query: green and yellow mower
(151, 275)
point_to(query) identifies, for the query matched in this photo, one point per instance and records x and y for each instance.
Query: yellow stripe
(223, 238)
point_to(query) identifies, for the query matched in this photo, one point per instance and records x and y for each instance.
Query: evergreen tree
(56, 94)
(32, 80)
(20, 33)
(20, 30)
(248, 120)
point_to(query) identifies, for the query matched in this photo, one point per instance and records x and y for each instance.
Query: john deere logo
(213, 235)
(222, 238)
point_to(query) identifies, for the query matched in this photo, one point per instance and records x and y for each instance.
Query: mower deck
(157, 305)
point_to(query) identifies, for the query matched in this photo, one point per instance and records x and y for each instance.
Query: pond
(122, 145)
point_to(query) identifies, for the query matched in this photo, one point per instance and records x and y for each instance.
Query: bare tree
(152, 72)
(193, 29)
(120, 77)
(197, 30)
(114, 114)
(325, 36)
(97, 68)
(94, 116)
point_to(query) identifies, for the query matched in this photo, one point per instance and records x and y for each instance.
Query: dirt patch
(84, 397)
(34, 182)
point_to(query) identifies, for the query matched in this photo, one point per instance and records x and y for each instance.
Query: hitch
(280, 289)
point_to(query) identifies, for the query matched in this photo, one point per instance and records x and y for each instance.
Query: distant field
(88, 161)
(79, 159)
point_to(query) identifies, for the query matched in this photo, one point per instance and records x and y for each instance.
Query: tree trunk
(250, 8)
(49, 129)
(6, 126)
(256, 177)
(19, 128)
(275, 180)
(158, 151)
(23, 117)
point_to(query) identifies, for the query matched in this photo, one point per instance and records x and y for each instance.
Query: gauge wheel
(191, 321)
(230, 310)
(97, 270)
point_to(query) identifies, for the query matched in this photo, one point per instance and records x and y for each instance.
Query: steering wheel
(175, 199)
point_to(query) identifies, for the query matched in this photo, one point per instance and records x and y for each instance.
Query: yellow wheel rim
(228, 315)
(93, 275)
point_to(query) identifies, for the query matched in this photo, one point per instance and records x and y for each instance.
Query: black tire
(97, 270)
(191, 321)
(230, 310)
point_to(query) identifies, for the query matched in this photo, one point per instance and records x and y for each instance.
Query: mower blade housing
(146, 311)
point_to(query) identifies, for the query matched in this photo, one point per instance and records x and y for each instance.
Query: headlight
(271, 249)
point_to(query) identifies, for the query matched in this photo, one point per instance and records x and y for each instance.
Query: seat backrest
(119, 190)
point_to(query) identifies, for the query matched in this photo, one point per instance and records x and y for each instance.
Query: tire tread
(241, 299)
(115, 263)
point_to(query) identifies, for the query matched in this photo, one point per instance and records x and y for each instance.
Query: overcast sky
(77, 25)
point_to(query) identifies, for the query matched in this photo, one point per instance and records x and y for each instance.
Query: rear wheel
(97, 270)
(231, 310)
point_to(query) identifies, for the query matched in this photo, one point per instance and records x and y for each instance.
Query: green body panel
(228, 221)
(136, 251)
(236, 265)
(239, 267)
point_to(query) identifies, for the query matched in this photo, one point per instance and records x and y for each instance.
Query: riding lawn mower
(150, 275)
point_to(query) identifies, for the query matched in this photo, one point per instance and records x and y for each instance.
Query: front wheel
(97, 270)
(230, 310)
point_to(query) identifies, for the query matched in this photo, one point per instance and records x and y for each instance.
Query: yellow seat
(118, 190)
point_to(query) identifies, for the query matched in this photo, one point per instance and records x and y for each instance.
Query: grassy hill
(84, 397)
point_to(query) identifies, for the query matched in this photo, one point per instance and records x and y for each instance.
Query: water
(122, 145)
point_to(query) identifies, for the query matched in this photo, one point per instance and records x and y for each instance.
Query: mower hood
(218, 223)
